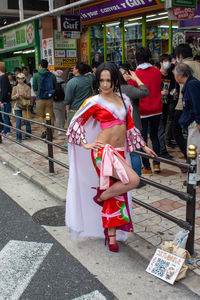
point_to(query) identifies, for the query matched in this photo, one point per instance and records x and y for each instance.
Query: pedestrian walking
(151, 106)
(44, 85)
(102, 125)
(21, 95)
(190, 117)
(58, 103)
(184, 55)
(5, 98)
(134, 94)
(78, 89)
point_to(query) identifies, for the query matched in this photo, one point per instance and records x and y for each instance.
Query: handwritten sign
(165, 265)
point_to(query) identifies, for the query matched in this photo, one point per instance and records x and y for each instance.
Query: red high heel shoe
(98, 195)
(112, 247)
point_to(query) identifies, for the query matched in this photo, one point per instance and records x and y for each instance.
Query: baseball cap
(20, 75)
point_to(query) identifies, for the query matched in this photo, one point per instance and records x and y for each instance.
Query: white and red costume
(83, 215)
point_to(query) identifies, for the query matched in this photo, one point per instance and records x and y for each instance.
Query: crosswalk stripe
(96, 295)
(19, 261)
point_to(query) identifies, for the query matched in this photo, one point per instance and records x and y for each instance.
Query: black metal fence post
(191, 189)
(50, 147)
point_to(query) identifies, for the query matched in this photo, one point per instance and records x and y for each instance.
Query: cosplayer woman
(104, 126)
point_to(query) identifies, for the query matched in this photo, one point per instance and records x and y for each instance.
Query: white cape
(83, 215)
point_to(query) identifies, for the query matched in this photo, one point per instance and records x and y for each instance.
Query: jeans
(136, 163)
(18, 113)
(178, 134)
(6, 119)
(153, 124)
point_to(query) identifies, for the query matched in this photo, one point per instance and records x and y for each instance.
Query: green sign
(62, 43)
(184, 3)
(21, 36)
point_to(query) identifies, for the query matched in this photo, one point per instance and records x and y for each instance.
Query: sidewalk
(150, 229)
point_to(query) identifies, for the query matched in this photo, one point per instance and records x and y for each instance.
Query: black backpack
(59, 94)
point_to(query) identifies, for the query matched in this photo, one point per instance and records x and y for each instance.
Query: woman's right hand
(93, 146)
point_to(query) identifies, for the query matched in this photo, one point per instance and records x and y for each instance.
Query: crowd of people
(110, 111)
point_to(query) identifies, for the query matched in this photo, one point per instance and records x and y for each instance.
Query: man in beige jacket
(183, 54)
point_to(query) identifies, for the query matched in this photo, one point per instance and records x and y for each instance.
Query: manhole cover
(51, 216)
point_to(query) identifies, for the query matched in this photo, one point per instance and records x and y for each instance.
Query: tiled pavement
(149, 226)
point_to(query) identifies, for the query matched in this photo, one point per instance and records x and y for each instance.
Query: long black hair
(115, 75)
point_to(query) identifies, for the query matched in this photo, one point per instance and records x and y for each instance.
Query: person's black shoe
(140, 185)
(166, 155)
(44, 134)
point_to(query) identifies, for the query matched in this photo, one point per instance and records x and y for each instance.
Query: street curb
(135, 242)
(43, 180)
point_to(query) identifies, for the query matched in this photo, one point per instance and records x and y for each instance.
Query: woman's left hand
(149, 151)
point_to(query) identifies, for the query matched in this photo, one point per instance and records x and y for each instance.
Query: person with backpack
(58, 103)
(44, 85)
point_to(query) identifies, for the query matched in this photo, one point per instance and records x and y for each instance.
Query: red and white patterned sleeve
(133, 135)
(76, 132)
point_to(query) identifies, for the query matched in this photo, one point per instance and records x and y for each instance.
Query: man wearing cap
(43, 105)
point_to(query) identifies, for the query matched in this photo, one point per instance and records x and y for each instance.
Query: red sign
(183, 13)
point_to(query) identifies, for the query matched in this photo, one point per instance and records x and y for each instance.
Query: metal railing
(189, 197)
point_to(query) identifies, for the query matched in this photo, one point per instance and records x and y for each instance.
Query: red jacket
(151, 105)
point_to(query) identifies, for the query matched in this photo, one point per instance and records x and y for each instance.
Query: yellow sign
(65, 62)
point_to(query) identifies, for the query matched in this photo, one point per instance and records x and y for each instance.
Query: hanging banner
(112, 7)
(71, 23)
(48, 51)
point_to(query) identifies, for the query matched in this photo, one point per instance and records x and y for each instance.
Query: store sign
(61, 43)
(71, 53)
(19, 37)
(71, 35)
(183, 13)
(184, 3)
(47, 51)
(113, 7)
(194, 23)
(59, 53)
(65, 62)
(70, 23)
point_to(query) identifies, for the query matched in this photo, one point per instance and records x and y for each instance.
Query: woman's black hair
(115, 75)
(122, 81)
(126, 67)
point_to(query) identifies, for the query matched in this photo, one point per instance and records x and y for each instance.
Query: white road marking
(96, 295)
(19, 262)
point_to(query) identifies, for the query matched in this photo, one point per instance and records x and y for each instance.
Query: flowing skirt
(115, 211)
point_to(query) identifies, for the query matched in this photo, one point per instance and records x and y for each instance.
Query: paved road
(70, 271)
(34, 265)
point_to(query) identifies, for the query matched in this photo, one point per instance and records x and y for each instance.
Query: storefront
(116, 28)
(20, 46)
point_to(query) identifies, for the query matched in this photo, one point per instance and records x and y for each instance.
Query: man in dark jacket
(190, 118)
(5, 97)
(45, 104)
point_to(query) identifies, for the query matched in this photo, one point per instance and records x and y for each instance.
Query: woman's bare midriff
(115, 136)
